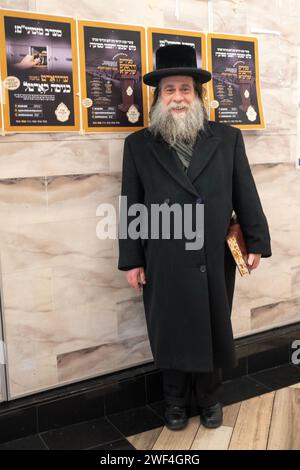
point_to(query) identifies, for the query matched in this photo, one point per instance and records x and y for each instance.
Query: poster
(39, 72)
(112, 63)
(158, 37)
(234, 89)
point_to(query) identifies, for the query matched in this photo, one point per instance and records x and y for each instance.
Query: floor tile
(136, 420)
(278, 377)
(19, 423)
(26, 443)
(121, 444)
(81, 435)
(70, 410)
(241, 389)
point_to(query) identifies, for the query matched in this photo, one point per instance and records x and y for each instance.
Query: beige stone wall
(68, 313)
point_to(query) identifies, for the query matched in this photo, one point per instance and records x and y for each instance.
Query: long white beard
(178, 127)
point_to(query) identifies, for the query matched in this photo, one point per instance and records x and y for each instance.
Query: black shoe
(211, 416)
(175, 417)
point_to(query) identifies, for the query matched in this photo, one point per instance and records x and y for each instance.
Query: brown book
(236, 242)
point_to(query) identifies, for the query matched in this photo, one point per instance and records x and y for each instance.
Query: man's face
(178, 113)
(177, 90)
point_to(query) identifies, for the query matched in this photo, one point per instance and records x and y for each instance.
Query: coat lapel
(170, 163)
(204, 149)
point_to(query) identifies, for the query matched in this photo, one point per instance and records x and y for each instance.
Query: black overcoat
(188, 293)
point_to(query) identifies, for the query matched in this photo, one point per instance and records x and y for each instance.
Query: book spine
(236, 253)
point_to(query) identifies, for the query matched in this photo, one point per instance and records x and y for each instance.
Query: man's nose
(177, 96)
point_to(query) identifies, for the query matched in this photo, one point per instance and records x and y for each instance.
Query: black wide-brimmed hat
(177, 59)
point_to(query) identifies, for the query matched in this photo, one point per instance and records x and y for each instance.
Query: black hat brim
(152, 78)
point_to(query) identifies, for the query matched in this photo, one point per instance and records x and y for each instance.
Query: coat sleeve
(131, 252)
(247, 205)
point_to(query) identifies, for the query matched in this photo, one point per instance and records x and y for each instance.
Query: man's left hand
(253, 260)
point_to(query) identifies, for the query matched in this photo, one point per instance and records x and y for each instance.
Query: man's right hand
(136, 278)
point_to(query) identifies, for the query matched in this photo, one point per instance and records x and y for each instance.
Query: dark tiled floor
(105, 433)
(241, 389)
(26, 443)
(278, 377)
(136, 420)
(23, 421)
(82, 435)
(70, 410)
(121, 444)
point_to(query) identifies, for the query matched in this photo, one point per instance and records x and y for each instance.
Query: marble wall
(68, 312)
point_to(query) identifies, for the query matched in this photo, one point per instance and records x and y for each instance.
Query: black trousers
(178, 386)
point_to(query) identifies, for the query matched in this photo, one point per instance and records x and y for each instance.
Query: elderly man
(183, 160)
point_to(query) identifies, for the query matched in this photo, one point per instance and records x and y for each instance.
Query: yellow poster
(234, 90)
(39, 72)
(112, 64)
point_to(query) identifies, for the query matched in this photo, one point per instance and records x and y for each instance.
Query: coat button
(203, 268)
(199, 200)
(167, 200)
